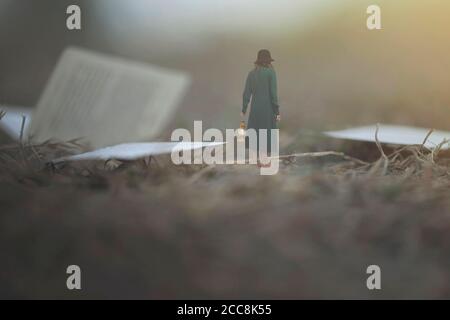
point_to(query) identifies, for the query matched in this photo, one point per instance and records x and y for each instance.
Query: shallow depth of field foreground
(154, 230)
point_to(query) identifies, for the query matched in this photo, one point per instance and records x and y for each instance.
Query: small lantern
(241, 132)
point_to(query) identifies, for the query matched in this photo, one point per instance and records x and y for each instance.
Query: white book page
(133, 151)
(394, 134)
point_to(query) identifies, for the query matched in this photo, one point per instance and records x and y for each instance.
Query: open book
(106, 100)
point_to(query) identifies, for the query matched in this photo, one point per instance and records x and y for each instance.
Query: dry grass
(155, 230)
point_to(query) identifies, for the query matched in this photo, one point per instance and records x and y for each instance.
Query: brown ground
(161, 231)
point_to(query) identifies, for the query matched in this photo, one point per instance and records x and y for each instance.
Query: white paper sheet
(132, 151)
(106, 100)
(393, 134)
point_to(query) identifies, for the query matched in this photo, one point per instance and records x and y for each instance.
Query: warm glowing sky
(204, 16)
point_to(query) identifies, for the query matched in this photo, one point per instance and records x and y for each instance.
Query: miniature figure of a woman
(261, 87)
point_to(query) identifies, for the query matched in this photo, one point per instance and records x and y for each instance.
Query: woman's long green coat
(261, 87)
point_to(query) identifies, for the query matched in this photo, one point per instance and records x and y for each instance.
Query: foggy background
(332, 71)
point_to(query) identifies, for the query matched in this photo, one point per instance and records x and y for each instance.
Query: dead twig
(438, 149)
(22, 128)
(426, 137)
(320, 154)
(380, 148)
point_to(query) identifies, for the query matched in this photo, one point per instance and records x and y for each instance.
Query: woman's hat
(264, 57)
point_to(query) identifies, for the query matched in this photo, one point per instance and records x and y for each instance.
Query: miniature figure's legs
(264, 160)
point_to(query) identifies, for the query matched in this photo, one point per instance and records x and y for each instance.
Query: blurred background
(332, 71)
